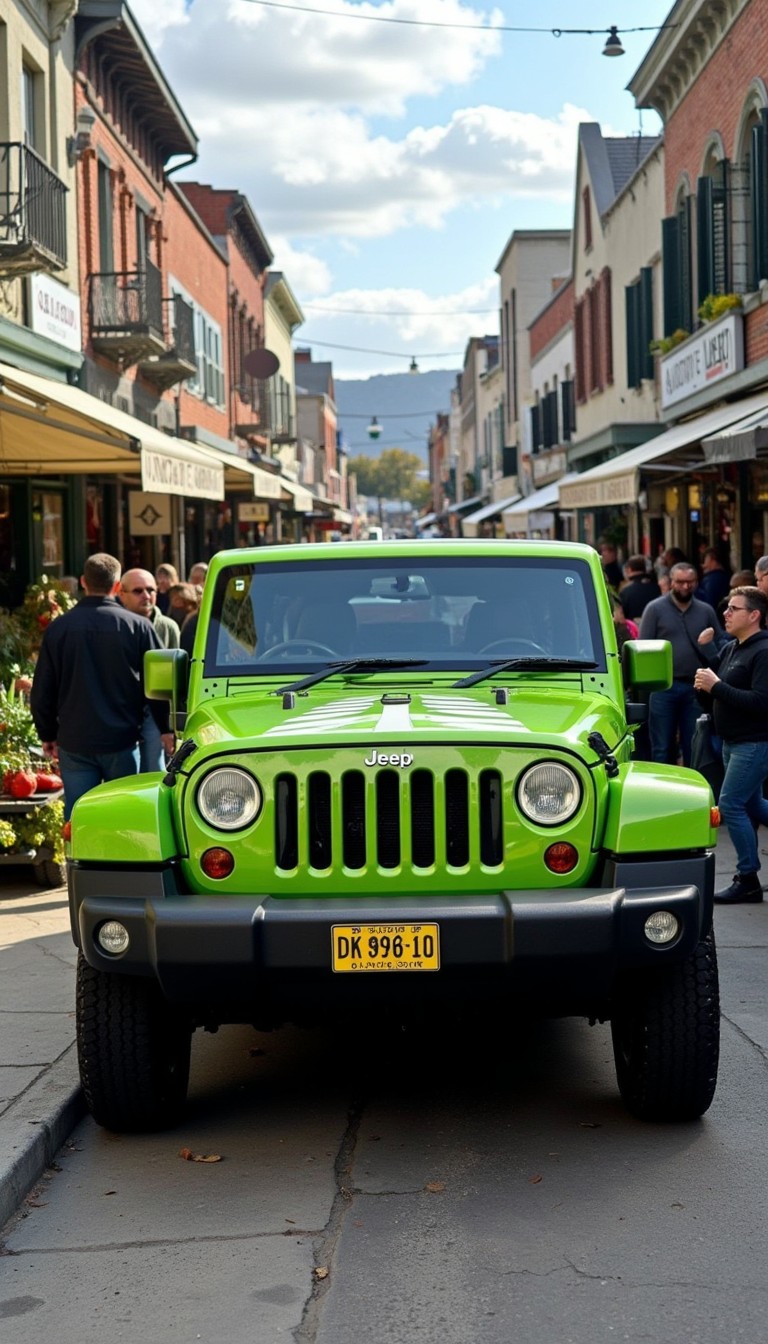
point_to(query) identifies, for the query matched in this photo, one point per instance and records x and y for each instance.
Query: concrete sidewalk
(40, 1098)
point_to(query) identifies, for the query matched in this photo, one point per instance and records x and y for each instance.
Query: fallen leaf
(321, 1272)
(435, 1187)
(534, 1180)
(292, 1221)
(110, 1192)
(189, 1156)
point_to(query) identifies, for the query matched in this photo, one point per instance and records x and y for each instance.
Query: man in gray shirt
(692, 629)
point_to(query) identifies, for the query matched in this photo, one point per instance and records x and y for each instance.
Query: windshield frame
(452, 660)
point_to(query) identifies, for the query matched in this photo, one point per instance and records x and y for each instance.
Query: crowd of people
(87, 697)
(716, 625)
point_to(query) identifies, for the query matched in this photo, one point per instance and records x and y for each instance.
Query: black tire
(48, 873)
(133, 1049)
(666, 1039)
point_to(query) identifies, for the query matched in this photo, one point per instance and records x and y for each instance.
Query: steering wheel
(514, 647)
(289, 645)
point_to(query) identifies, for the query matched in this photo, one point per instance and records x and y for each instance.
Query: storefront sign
(181, 476)
(713, 354)
(253, 513)
(149, 515)
(55, 311)
(618, 489)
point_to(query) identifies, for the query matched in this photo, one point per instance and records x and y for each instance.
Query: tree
(394, 475)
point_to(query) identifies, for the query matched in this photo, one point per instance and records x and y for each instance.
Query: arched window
(750, 193)
(713, 223)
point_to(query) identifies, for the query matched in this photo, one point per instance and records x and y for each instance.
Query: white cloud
(306, 273)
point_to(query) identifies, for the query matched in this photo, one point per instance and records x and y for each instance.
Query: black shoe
(745, 889)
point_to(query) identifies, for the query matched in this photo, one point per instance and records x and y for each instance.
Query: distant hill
(405, 405)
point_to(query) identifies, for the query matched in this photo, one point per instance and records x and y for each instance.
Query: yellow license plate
(385, 947)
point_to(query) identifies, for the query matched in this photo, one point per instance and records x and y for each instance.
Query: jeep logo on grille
(401, 758)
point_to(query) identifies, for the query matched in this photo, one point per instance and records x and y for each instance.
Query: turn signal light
(561, 857)
(714, 816)
(217, 862)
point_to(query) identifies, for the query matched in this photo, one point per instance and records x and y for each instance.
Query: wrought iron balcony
(177, 362)
(272, 410)
(126, 314)
(33, 213)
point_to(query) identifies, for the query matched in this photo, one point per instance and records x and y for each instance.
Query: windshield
(453, 612)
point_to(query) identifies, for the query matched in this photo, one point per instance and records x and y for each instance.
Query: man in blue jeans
(87, 696)
(737, 688)
(693, 630)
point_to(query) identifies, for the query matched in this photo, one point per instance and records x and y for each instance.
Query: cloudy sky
(389, 162)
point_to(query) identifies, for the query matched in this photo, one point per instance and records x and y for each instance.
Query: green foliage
(19, 745)
(43, 601)
(12, 647)
(393, 475)
(714, 305)
(664, 344)
(41, 827)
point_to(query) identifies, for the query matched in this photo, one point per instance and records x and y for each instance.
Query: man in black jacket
(737, 684)
(640, 589)
(87, 696)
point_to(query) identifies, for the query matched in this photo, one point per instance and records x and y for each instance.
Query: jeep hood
(556, 715)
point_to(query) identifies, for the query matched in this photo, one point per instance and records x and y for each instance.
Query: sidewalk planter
(31, 833)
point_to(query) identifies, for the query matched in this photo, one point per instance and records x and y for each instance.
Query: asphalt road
(477, 1184)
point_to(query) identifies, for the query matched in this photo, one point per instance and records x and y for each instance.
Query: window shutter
(581, 361)
(646, 322)
(553, 427)
(759, 186)
(684, 262)
(705, 236)
(535, 428)
(631, 308)
(567, 410)
(509, 460)
(721, 226)
(606, 328)
(670, 249)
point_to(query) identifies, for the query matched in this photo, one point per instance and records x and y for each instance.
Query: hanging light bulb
(413, 366)
(613, 45)
(374, 429)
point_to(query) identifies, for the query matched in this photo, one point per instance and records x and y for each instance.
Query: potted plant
(31, 811)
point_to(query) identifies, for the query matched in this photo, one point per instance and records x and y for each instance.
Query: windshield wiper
(349, 665)
(522, 664)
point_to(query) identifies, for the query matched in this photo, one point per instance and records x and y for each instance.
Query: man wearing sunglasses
(736, 689)
(138, 593)
(87, 696)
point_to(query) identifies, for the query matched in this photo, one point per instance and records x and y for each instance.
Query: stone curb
(34, 1127)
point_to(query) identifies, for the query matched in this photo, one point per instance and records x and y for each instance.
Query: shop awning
(740, 442)
(618, 481)
(46, 427)
(472, 520)
(536, 511)
(465, 505)
(299, 497)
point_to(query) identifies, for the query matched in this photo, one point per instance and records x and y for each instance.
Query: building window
(586, 202)
(713, 231)
(142, 239)
(758, 194)
(639, 316)
(567, 409)
(28, 110)
(106, 216)
(208, 382)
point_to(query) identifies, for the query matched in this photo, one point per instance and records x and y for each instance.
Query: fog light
(661, 927)
(217, 862)
(561, 857)
(113, 937)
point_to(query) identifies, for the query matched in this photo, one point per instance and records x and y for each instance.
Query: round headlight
(549, 793)
(229, 799)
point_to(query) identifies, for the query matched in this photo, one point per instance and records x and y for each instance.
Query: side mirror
(647, 663)
(166, 677)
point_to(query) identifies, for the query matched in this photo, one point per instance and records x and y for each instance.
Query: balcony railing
(33, 213)
(272, 409)
(126, 314)
(177, 361)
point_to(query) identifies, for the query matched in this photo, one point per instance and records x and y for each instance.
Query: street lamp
(374, 429)
(613, 45)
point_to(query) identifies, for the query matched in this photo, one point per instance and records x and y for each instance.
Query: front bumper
(565, 947)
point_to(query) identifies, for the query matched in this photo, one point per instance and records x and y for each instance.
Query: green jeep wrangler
(404, 779)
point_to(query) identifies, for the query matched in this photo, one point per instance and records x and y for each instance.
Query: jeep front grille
(390, 820)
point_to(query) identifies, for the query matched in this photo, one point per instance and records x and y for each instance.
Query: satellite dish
(261, 363)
